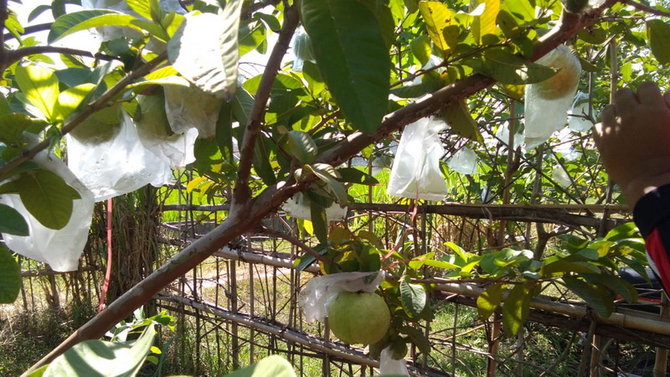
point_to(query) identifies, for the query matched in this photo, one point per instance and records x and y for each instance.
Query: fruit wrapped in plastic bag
(546, 103)
(415, 173)
(355, 313)
(60, 248)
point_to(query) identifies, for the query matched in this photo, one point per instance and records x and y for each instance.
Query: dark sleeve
(652, 216)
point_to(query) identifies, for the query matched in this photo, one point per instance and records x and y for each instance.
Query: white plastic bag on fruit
(59, 248)
(579, 112)
(318, 291)
(464, 161)
(117, 166)
(390, 366)
(546, 103)
(298, 206)
(189, 107)
(415, 173)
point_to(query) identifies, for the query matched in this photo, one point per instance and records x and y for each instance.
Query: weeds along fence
(241, 304)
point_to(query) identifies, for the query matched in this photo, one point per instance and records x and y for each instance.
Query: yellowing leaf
(488, 18)
(440, 24)
(195, 182)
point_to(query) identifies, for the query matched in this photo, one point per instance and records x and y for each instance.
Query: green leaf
(352, 57)
(39, 372)
(596, 297)
(71, 98)
(261, 161)
(300, 145)
(421, 49)
(11, 221)
(47, 197)
(12, 126)
(274, 365)
(460, 120)
(102, 358)
(418, 338)
(508, 68)
(440, 23)
(209, 63)
(40, 86)
(319, 220)
(327, 174)
(413, 298)
(87, 19)
(516, 309)
(658, 33)
(10, 277)
(489, 300)
(615, 284)
(353, 175)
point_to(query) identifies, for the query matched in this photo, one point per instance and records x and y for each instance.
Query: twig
(3, 51)
(16, 55)
(646, 8)
(91, 108)
(294, 240)
(30, 30)
(241, 192)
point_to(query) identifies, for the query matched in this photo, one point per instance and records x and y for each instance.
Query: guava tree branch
(16, 55)
(646, 8)
(253, 128)
(100, 103)
(249, 213)
(3, 18)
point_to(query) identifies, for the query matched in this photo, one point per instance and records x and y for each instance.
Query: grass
(27, 336)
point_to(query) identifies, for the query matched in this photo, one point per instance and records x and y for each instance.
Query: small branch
(91, 108)
(16, 55)
(645, 8)
(247, 13)
(30, 29)
(241, 192)
(3, 51)
(323, 259)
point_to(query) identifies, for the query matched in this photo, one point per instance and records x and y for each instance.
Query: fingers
(648, 93)
(625, 100)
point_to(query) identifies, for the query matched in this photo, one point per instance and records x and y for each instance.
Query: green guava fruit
(101, 126)
(150, 116)
(358, 317)
(565, 81)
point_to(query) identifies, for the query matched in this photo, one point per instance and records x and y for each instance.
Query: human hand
(634, 140)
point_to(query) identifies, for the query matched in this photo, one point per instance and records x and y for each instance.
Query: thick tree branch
(249, 213)
(241, 192)
(100, 103)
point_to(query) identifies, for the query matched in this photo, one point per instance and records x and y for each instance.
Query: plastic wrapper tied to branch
(298, 206)
(117, 166)
(319, 291)
(464, 161)
(546, 103)
(415, 173)
(60, 248)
